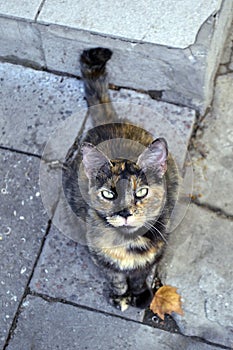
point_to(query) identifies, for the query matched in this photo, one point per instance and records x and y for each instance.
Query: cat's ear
(93, 159)
(154, 157)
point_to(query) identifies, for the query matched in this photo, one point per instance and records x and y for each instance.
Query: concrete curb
(179, 75)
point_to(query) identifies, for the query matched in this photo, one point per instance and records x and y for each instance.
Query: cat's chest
(126, 259)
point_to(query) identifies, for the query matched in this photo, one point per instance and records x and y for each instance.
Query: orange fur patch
(131, 260)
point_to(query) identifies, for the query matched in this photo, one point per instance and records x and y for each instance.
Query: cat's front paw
(142, 300)
(121, 302)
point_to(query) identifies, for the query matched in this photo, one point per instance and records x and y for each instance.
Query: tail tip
(96, 56)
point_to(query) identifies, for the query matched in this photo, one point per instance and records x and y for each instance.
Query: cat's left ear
(154, 157)
(93, 159)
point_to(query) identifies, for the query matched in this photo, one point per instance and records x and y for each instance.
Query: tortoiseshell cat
(124, 185)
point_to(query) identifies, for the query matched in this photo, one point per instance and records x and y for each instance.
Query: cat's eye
(141, 193)
(108, 194)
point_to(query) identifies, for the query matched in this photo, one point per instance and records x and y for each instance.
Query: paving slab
(52, 325)
(212, 156)
(149, 23)
(198, 262)
(174, 52)
(27, 8)
(175, 123)
(180, 45)
(33, 103)
(20, 41)
(231, 58)
(227, 51)
(226, 65)
(180, 75)
(22, 226)
(65, 270)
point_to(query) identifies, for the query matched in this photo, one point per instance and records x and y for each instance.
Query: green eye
(108, 194)
(141, 193)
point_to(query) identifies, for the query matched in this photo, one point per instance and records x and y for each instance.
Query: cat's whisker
(154, 229)
(161, 223)
(152, 221)
(155, 234)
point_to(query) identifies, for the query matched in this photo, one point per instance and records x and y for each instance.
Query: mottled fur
(126, 190)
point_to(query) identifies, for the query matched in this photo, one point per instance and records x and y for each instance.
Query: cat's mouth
(127, 225)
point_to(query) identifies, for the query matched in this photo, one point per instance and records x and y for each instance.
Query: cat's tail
(95, 77)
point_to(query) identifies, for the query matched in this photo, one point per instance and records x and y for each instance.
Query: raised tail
(95, 77)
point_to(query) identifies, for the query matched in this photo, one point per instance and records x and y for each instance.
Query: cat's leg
(119, 294)
(141, 292)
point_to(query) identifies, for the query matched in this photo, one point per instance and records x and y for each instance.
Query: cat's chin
(129, 230)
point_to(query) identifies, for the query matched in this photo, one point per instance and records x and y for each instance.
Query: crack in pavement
(26, 290)
(211, 208)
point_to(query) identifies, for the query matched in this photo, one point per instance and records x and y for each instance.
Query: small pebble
(23, 270)
(37, 194)
(25, 303)
(8, 231)
(21, 217)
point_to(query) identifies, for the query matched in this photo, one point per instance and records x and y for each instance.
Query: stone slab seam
(44, 67)
(4, 148)
(26, 290)
(211, 208)
(204, 341)
(50, 299)
(39, 10)
(226, 65)
(198, 126)
(154, 94)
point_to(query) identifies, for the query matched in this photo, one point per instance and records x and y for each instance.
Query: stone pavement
(52, 297)
(179, 41)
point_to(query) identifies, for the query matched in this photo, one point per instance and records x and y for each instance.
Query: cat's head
(127, 195)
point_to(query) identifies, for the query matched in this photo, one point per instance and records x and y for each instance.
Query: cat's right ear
(93, 159)
(155, 157)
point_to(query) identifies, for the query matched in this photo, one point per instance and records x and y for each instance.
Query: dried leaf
(166, 300)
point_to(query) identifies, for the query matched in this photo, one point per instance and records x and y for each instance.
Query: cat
(124, 184)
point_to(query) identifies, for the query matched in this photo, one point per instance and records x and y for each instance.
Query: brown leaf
(166, 300)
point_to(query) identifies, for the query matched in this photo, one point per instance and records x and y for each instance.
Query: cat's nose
(124, 213)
